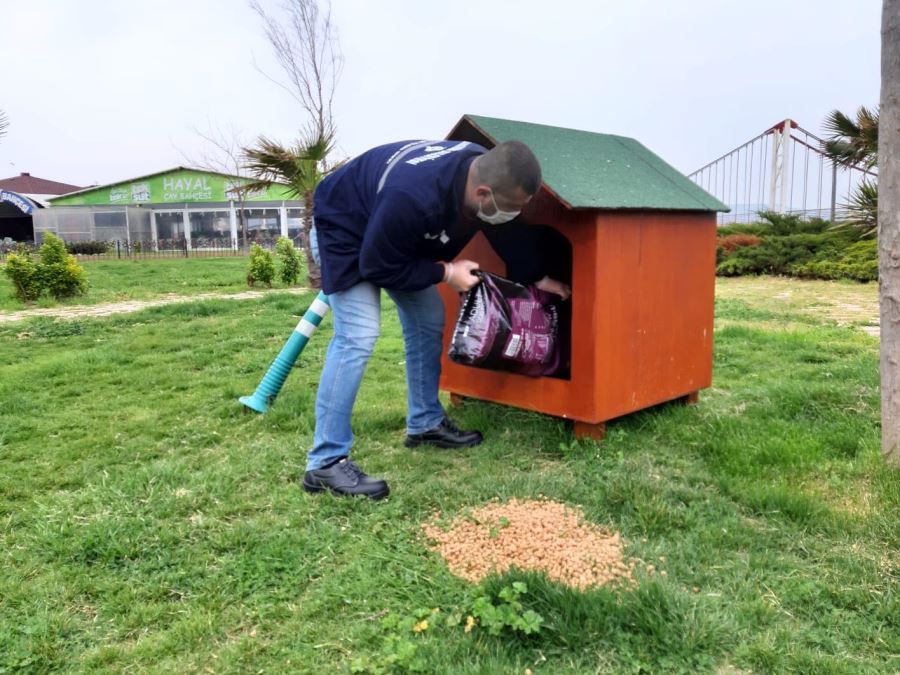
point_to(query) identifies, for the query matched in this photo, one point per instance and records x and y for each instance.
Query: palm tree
(301, 167)
(4, 124)
(855, 143)
(862, 208)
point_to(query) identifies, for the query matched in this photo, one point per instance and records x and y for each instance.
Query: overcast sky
(98, 91)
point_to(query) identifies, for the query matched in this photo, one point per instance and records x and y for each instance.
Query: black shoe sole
(416, 442)
(315, 489)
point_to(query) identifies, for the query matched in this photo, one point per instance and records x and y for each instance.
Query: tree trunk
(315, 274)
(243, 220)
(889, 230)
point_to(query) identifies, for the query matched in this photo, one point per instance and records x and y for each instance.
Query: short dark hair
(510, 165)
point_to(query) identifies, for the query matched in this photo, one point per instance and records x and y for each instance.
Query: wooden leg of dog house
(587, 430)
(457, 400)
(690, 399)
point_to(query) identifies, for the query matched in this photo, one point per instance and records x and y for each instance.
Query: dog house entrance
(525, 254)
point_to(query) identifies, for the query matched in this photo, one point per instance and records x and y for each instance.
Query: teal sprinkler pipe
(274, 378)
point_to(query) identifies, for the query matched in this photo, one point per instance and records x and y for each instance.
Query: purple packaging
(507, 326)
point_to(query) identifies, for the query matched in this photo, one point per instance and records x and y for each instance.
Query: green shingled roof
(601, 171)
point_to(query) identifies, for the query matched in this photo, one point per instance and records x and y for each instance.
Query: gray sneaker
(345, 478)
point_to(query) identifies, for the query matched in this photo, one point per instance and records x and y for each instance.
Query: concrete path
(87, 311)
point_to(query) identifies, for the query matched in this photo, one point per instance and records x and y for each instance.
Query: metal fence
(784, 169)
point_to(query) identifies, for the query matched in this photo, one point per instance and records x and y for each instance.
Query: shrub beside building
(56, 273)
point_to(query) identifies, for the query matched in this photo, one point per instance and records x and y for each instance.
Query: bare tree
(306, 47)
(223, 152)
(889, 230)
(4, 124)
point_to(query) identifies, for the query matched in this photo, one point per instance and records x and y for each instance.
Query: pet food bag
(507, 326)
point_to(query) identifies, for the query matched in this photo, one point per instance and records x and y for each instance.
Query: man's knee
(424, 322)
(357, 318)
(365, 343)
(433, 321)
(360, 341)
(431, 314)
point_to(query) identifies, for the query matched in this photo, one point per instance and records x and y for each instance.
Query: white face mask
(499, 217)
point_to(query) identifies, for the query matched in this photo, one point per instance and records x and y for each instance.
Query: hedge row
(789, 246)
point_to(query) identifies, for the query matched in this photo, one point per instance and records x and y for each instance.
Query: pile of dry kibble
(538, 535)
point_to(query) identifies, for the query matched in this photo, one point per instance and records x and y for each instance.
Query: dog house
(642, 241)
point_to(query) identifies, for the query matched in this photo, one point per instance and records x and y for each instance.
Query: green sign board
(173, 187)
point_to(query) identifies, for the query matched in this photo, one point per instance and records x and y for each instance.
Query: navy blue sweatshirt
(390, 214)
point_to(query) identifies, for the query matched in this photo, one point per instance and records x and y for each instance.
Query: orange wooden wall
(643, 291)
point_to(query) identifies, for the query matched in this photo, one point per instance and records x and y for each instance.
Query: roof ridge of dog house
(589, 170)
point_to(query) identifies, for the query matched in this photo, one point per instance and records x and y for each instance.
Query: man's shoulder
(442, 153)
(402, 198)
(429, 169)
(391, 150)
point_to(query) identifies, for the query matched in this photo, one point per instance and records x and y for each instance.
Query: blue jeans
(356, 316)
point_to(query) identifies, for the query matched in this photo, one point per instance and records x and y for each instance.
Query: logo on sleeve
(442, 237)
(433, 152)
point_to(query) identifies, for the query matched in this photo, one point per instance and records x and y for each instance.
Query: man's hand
(458, 275)
(553, 286)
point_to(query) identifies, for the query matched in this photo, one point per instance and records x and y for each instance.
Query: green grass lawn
(147, 524)
(141, 279)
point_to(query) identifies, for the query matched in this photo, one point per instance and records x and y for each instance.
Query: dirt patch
(532, 535)
(88, 311)
(843, 302)
(853, 499)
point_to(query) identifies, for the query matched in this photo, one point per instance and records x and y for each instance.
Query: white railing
(783, 169)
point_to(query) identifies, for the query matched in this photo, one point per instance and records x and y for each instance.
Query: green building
(178, 208)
